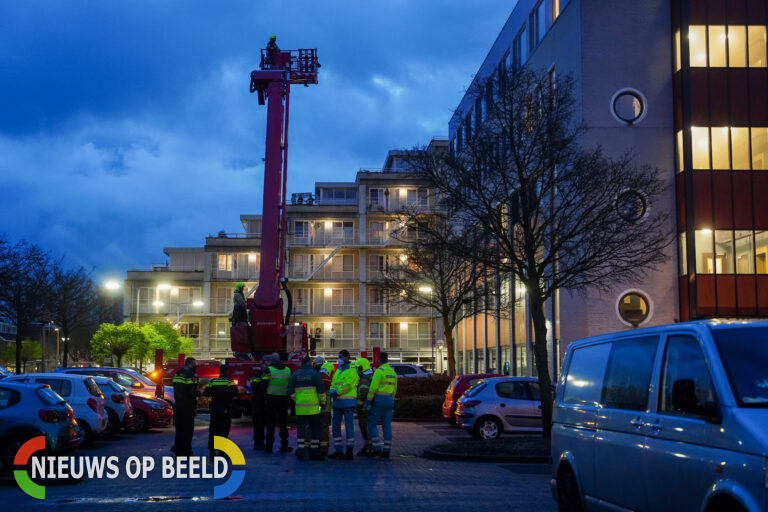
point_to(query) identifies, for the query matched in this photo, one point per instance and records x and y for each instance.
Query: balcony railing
(325, 239)
(248, 272)
(397, 309)
(219, 305)
(348, 342)
(379, 273)
(327, 273)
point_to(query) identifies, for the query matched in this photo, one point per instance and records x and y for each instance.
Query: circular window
(631, 205)
(634, 308)
(628, 106)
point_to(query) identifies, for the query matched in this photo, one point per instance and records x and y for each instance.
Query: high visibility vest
(384, 386)
(345, 384)
(278, 381)
(220, 381)
(307, 401)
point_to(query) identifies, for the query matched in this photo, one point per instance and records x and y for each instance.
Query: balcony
(397, 309)
(399, 342)
(220, 305)
(249, 272)
(347, 342)
(379, 273)
(325, 239)
(327, 273)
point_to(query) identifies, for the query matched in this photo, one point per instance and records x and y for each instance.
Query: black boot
(286, 449)
(335, 455)
(364, 452)
(258, 446)
(348, 455)
(268, 448)
(384, 455)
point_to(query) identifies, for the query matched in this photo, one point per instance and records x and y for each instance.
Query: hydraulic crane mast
(278, 70)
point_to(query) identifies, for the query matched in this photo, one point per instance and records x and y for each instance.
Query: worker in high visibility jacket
(326, 373)
(185, 391)
(308, 393)
(278, 376)
(365, 375)
(223, 392)
(381, 402)
(344, 394)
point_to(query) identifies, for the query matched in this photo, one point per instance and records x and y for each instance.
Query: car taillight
(49, 415)
(236, 382)
(471, 403)
(70, 415)
(93, 404)
(118, 398)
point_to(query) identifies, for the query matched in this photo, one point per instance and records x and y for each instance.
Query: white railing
(325, 239)
(249, 272)
(398, 309)
(327, 273)
(219, 305)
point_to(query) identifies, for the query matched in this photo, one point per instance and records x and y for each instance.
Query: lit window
(740, 148)
(705, 263)
(700, 147)
(633, 308)
(760, 149)
(680, 151)
(717, 53)
(724, 251)
(761, 252)
(678, 60)
(757, 46)
(683, 255)
(744, 253)
(720, 154)
(697, 41)
(225, 262)
(555, 9)
(737, 47)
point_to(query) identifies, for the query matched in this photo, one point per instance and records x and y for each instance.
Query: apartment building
(683, 84)
(340, 242)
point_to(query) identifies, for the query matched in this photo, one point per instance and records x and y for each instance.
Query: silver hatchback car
(500, 404)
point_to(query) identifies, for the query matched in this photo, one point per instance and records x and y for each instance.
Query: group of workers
(323, 396)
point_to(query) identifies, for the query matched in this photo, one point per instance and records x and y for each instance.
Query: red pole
(159, 392)
(283, 217)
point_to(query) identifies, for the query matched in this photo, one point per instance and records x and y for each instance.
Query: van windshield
(744, 352)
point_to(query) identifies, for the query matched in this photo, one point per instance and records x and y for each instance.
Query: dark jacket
(185, 389)
(258, 385)
(222, 392)
(239, 311)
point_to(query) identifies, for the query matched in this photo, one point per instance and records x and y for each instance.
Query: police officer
(258, 404)
(381, 402)
(278, 402)
(308, 392)
(365, 375)
(185, 393)
(222, 391)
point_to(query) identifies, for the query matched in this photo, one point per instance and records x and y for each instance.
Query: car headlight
(154, 405)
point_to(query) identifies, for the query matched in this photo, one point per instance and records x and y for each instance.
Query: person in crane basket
(272, 48)
(239, 311)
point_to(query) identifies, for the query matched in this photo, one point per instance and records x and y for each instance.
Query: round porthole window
(628, 106)
(631, 205)
(634, 308)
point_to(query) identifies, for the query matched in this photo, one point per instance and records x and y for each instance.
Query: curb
(431, 454)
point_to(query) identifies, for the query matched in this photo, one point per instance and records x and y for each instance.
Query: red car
(456, 388)
(150, 413)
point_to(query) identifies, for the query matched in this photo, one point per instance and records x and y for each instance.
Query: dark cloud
(126, 127)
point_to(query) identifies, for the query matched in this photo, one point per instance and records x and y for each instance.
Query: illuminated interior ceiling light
(328, 224)
(403, 326)
(112, 285)
(174, 292)
(197, 303)
(252, 257)
(425, 289)
(158, 303)
(403, 258)
(328, 325)
(403, 192)
(328, 292)
(706, 231)
(164, 286)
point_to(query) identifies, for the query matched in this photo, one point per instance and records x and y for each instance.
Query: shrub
(419, 407)
(432, 385)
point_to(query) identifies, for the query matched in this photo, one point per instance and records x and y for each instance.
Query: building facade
(340, 243)
(682, 84)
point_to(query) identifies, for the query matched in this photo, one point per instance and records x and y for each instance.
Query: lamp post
(428, 289)
(65, 339)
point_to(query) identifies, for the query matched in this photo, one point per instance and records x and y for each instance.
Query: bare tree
(72, 302)
(436, 277)
(556, 214)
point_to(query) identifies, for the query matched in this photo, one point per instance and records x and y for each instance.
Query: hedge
(428, 386)
(419, 407)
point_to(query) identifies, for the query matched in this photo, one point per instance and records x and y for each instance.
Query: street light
(428, 289)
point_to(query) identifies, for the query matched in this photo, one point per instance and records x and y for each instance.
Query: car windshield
(48, 396)
(475, 389)
(744, 353)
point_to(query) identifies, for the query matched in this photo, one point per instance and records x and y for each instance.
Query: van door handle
(636, 422)
(502, 405)
(654, 426)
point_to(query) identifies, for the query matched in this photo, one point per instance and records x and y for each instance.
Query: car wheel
(568, 498)
(140, 421)
(487, 427)
(83, 431)
(10, 449)
(113, 425)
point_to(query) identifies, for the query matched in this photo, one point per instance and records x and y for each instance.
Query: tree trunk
(542, 363)
(448, 336)
(18, 347)
(119, 360)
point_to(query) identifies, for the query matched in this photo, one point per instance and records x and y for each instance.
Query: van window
(584, 382)
(513, 390)
(628, 375)
(744, 352)
(686, 386)
(61, 386)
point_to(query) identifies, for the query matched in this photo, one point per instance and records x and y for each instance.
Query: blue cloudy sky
(126, 127)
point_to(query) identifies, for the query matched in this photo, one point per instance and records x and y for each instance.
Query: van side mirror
(136, 384)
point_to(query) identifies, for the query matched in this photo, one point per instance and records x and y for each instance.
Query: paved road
(278, 482)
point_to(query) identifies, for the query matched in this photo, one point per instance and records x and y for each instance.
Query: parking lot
(278, 482)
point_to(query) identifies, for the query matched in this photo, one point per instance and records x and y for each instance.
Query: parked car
(32, 410)
(119, 409)
(673, 417)
(4, 372)
(500, 404)
(81, 393)
(456, 388)
(149, 413)
(409, 370)
(129, 379)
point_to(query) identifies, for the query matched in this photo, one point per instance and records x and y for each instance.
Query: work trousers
(277, 414)
(325, 435)
(347, 414)
(258, 414)
(184, 421)
(219, 426)
(362, 423)
(308, 426)
(381, 415)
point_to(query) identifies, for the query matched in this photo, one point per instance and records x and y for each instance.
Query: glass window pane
(584, 383)
(678, 62)
(723, 251)
(680, 151)
(717, 46)
(697, 40)
(757, 46)
(761, 252)
(744, 253)
(628, 376)
(705, 263)
(683, 256)
(760, 149)
(740, 148)
(737, 47)
(686, 387)
(720, 154)
(700, 147)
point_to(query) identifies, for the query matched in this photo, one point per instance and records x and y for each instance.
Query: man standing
(365, 374)
(326, 373)
(278, 377)
(239, 310)
(308, 392)
(222, 391)
(381, 402)
(258, 404)
(185, 393)
(344, 394)
(272, 49)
